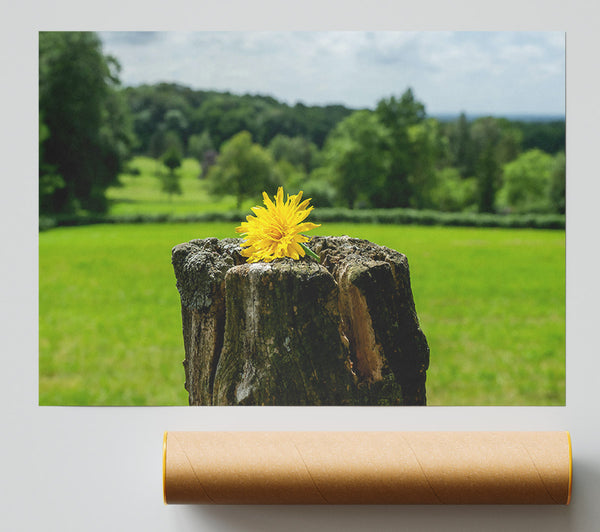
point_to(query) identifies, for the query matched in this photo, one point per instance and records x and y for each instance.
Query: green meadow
(142, 194)
(490, 301)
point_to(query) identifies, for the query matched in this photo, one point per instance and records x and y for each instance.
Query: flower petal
(275, 229)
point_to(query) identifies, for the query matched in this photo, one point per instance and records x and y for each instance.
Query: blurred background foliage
(393, 156)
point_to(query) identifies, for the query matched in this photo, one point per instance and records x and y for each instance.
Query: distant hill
(171, 108)
(164, 111)
(528, 118)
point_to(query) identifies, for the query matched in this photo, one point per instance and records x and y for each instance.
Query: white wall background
(98, 469)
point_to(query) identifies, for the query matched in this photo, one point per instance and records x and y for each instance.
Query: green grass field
(142, 194)
(491, 303)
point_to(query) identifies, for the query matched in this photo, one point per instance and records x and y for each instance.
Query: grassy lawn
(491, 303)
(142, 194)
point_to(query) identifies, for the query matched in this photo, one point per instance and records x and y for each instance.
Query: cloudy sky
(498, 73)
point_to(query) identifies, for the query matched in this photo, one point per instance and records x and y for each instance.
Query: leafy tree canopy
(298, 151)
(527, 183)
(357, 154)
(89, 132)
(398, 115)
(243, 169)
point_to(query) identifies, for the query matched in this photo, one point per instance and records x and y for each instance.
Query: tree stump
(342, 332)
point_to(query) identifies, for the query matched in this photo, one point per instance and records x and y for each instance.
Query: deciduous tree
(243, 169)
(558, 183)
(527, 182)
(357, 155)
(89, 126)
(398, 115)
(170, 181)
(298, 151)
(199, 144)
(494, 143)
(428, 149)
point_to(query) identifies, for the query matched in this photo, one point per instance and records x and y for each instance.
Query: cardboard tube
(367, 467)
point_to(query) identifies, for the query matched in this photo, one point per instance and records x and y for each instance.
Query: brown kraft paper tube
(367, 467)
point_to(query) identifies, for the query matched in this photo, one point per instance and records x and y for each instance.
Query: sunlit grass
(142, 194)
(490, 301)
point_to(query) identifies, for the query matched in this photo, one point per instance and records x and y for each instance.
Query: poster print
(399, 200)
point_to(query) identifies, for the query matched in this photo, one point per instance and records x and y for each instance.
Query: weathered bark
(282, 342)
(200, 268)
(378, 313)
(300, 333)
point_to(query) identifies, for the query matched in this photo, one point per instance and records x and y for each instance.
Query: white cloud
(495, 72)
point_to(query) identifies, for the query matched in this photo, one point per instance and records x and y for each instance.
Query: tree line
(397, 156)
(392, 156)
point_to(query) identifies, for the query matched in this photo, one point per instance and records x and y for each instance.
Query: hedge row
(48, 222)
(427, 217)
(379, 216)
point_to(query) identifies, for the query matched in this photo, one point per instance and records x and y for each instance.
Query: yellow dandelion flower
(275, 231)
